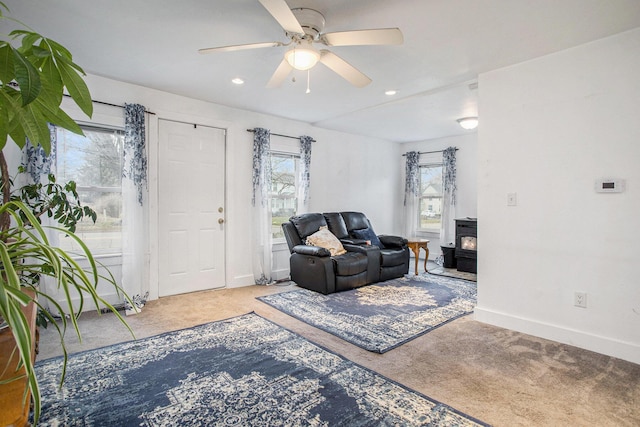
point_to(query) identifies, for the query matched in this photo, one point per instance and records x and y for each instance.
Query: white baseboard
(241, 281)
(599, 344)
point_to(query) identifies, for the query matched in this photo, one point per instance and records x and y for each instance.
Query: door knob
(221, 221)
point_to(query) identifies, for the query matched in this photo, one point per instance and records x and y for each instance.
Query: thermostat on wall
(610, 185)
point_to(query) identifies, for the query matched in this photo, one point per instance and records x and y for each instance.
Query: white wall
(466, 176)
(348, 172)
(550, 128)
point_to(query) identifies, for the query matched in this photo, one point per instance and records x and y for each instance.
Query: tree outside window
(94, 162)
(284, 190)
(430, 198)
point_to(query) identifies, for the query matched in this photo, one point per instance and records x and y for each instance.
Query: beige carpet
(501, 377)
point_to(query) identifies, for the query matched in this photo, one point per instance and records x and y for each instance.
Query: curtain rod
(430, 152)
(93, 100)
(112, 105)
(284, 136)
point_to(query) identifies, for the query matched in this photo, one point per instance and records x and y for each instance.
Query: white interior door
(191, 204)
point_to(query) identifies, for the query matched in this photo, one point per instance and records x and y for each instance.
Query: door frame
(153, 170)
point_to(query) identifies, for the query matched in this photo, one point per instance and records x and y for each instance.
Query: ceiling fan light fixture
(302, 57)
(468, 123)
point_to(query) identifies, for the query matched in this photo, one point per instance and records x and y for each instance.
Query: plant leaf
(27, 77)
(35, 126)
(76, 86)
(57, 116)
(4, 122)
(7, 71)
(52, 86)
(16, 131)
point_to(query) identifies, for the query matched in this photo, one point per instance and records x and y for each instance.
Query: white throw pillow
(326, 239)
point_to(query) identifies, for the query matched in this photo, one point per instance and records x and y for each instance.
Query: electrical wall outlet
(580, 299)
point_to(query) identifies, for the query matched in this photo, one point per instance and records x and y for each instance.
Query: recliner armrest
(392, 241)
(363, 249)
(311, 250)
(359, 242)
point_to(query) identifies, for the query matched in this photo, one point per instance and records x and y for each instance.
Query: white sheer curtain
(37, 167)
(261, 201)
(305, 165)
(447, 229)
(411, 193)
(135, 195)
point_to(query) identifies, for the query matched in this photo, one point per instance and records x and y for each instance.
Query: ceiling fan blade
(240, 47)
(281, 73)
(380, 36)
(344, 69)
(281, 12)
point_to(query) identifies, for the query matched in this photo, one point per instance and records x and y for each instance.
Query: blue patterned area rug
(243, 371)
(381, 316)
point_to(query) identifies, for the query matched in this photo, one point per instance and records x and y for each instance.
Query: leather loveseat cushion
(350, 264)
(392, 257)
(336, 225)
(307, 224)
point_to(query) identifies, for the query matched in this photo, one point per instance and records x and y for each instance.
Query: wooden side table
(415, 245)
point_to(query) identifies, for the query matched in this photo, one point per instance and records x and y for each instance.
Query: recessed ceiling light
(390, 92)
(237, 81)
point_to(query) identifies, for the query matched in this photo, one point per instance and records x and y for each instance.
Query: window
(94, 162)
(430, 203)
(284, 190)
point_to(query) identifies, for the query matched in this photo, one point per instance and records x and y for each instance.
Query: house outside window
(94, 162)
(284, 190)
(430, 198)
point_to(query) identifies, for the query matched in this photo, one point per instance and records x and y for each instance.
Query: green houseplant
(35, 72)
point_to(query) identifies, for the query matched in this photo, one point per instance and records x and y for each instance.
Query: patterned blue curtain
(261, 164)
(411, 193)
(448, 214)
(262, 226)
(412, 169)
(36, 162)
(449, 172)
(135, 156)
(305, 166)
(135, 215)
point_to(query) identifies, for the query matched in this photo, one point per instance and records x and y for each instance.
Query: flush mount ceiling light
(302, 57)
(237, 81)
(468, 123)
(390, 92)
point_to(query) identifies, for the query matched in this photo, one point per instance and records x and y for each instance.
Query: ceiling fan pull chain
(308, 78)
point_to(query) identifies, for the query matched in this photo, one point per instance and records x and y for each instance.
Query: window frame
(297, 159)
(419, 227)
(105, 128)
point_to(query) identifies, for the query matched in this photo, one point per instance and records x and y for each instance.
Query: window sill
(103, 257)
(428, 232)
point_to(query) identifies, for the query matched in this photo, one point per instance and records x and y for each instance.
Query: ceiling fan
(304, 27)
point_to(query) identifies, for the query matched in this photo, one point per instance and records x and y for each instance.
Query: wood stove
(467, 244)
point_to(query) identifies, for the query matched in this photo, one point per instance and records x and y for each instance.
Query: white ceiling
(447, 44)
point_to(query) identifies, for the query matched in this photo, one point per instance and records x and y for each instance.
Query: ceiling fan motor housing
(311, 21)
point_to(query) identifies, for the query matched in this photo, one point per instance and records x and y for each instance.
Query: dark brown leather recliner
(314, 268)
